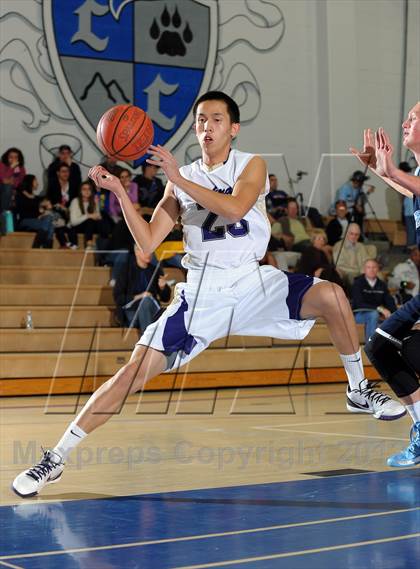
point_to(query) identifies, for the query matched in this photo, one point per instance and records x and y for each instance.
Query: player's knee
(375, 348)
(334, 298)
(130, 378)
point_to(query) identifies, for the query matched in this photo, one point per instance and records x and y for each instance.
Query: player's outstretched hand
(366, 156)
(103, 179)
(383, 151)
(165, 160)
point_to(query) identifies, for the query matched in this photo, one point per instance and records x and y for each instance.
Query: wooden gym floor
(270, 477)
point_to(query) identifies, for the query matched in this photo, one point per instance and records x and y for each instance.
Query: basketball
(124, 132)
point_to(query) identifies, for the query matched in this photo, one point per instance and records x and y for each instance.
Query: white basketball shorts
(250, 301)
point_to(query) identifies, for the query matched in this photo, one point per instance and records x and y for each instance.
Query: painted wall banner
(157, 55)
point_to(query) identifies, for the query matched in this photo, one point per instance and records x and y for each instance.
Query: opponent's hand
(366, 156)
(383, 151)
(165, 160)
(103, 179)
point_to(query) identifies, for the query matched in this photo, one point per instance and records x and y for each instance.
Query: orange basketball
(124, 132)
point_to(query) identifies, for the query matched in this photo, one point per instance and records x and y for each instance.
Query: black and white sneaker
(30, 482)
(366, 399)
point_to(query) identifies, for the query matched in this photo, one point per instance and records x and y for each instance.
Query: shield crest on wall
(156, 54)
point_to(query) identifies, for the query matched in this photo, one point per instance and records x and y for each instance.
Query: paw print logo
(171, 41)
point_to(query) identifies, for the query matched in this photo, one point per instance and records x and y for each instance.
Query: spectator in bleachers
(65, 156)
(28, 214)
(349, 255)
(293, 230)
(337, 227)
(276, 200)
(110, 163)
(59, 215)
(138, 290)
(12, 173)
(406, 275)
(84, 214)
(150, 186)
(58, 191)
(370, 298)
(316, 259)
(132, 190)
(354, 193)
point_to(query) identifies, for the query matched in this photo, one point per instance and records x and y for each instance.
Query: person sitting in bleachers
(150, 186)
(406, 275)
(349, 255)
(132, 191)
(74, 179)
(59, 191)
(59, 215)
(12, 173)
(293, 230)
(138, 290)
(371, 299)
(275, 200)
(337, 226)
(28, 214)
(316, 259)
(84, 214)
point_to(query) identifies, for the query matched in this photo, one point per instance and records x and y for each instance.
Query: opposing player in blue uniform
(221, 201)
(394, 349)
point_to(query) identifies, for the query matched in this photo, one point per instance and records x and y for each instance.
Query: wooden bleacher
(75, 346)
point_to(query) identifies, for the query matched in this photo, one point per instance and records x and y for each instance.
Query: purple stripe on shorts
(175, 336)
(298, 285)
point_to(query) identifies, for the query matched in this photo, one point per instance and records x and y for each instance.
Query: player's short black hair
(232, 107)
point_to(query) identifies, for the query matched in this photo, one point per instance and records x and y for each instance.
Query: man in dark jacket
(151, 188)
(138, 290)
(337, 227)
(371, 298)
(65, 156)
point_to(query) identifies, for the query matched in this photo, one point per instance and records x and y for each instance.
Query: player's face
(213, 126)
(411, 129)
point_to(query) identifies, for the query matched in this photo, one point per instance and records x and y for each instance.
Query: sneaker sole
(32, 494)
(403, 465)
(380, 417)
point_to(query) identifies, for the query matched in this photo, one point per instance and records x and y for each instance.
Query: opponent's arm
(233, 207)
(147, 235)
(367, 157)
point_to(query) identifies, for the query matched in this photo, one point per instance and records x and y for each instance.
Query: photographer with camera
(355, 195)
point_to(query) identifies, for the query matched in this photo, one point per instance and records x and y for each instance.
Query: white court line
(4, 564)
(207, 536)
(306, 424)
(345, 435)
(295, 553)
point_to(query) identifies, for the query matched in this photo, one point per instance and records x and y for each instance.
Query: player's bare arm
(148, 236)
(367, 157)
(233, 207)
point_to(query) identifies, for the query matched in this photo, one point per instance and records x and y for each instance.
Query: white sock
(71, 438)
(414, 411)
(354, 368)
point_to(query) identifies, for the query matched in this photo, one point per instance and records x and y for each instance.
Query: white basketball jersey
(211, 240)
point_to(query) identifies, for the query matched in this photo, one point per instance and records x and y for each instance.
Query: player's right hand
(103, 179)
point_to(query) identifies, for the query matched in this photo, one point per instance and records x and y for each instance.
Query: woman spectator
(28, 214)
(316, 259)
(84, 214)
(132, 191)
(12, 172)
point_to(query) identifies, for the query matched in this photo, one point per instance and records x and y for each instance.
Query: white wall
(311, 91)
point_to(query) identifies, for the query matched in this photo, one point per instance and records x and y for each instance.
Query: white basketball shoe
(365, 399)
(48, 471)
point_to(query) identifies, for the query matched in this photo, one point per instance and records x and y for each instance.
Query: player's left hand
(383, 151)
(165, 160)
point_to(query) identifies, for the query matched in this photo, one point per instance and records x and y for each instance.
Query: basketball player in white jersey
(221, 201)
